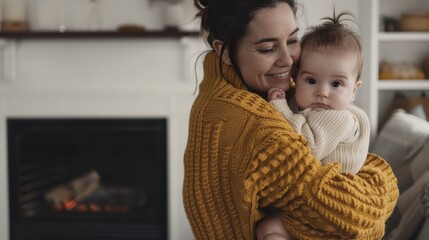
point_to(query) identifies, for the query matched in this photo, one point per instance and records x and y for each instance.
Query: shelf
(96, 34)
(404, 36)
(403, 84)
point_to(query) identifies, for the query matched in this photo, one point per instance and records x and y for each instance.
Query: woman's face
(270, 49)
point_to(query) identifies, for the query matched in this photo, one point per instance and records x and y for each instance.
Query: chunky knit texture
(243, 158)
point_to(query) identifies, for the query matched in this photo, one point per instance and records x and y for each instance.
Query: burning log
(87, 194)
(76, 190)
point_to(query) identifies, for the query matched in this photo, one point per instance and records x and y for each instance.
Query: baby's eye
(336, 84)
(311, 81)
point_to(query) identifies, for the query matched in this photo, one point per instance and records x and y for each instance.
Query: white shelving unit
(398, 46)
(403, 36)
(397, 84)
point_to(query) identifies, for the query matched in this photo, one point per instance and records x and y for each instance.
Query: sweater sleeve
(323, 130)
(318, 202)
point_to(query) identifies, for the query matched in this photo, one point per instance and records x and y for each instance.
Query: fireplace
(87, 179)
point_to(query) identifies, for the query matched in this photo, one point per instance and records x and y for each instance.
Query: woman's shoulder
(246, 101)
(232, 105)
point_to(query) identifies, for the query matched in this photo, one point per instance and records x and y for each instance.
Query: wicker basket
(417, 22)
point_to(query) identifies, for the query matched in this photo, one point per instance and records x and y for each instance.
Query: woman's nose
(284, 59)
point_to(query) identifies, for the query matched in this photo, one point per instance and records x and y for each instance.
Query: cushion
(401, 138)
(425, 200)
(423, 231)
(419, 111)
(410, 171)
(409, 212)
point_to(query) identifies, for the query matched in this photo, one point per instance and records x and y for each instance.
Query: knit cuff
(281, 106)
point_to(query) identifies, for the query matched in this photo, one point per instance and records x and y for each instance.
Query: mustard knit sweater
(243, 158)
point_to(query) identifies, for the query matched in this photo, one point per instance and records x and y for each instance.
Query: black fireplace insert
(87, 179)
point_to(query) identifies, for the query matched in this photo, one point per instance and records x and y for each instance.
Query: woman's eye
(336, 84)
(292, 41)
(266, 50)
(311, 81)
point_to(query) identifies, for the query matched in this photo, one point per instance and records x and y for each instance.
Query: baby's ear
(358, 84)
(217, 46)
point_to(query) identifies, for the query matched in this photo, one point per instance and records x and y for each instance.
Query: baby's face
(326, 80)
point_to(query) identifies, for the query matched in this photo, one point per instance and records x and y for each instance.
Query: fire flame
(70, 204)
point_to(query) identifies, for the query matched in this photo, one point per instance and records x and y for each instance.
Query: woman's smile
(280, 76)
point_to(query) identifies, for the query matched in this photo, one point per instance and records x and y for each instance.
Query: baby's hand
(276, 93)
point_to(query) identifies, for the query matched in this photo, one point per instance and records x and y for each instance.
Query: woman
(243, 160)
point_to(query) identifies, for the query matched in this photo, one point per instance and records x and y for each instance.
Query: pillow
(425, 200)
(401, 138)
(408, 173)
(424, 231)
(419, 111)
(408, 213)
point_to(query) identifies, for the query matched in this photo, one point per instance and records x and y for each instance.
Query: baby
(326, 81)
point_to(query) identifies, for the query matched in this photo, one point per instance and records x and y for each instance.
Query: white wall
(311, 11)
(121, 77)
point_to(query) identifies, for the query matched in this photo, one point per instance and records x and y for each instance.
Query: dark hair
(227, 21)
(335, 36)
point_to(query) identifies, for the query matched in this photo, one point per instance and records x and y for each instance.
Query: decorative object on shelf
(14, 16)
(390, 24)
(415, 22)
(173, 14)
(402, 71)
(7, 26)
(131, 28)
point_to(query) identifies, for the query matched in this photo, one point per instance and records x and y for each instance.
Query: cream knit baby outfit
(333, 136)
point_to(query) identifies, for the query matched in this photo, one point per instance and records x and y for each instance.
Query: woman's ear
(217, 46)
